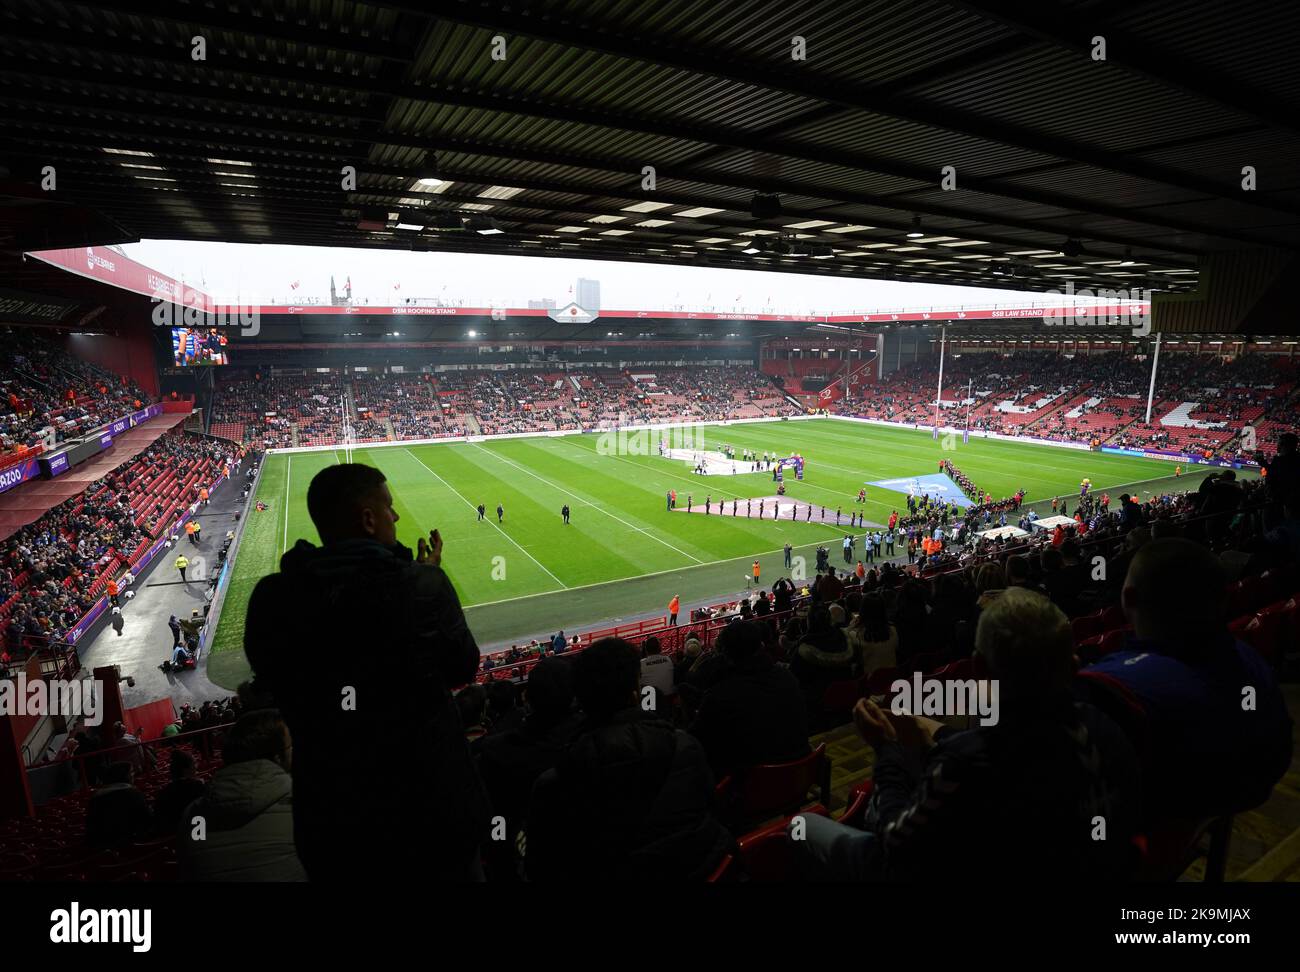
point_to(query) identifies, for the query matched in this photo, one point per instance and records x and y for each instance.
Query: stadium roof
(1132, 165)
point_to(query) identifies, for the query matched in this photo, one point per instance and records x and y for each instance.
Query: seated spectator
(823, 656)
(1283, 541)
(503, 711)
(871, 637)
(754, 712)
(183, 790)
(631, 799)
(1061, 585)
(910, 616)
(657, 672)
(1282, 473)
(1019, 798)
(691, 654)
(119, 813)
(990, 580)
(511, 761)
(471, 703)
(247, 813)
(1191, 678)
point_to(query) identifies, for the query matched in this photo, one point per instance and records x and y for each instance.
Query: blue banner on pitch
(935, 485)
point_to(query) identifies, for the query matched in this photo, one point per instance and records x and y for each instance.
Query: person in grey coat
(242, 829)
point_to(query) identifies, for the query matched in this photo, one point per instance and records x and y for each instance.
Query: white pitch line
(586, 503)
(498, 528)
(288, 466)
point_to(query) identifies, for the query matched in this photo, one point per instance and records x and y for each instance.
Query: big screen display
(199, 347)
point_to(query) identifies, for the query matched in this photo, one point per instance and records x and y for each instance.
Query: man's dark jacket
(631, 800)
(510, 763)
(386, 783)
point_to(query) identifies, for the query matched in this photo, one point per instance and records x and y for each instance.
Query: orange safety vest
(203, 493)
(673, 605)
(112, 588)
(755, 569)
(189, 528)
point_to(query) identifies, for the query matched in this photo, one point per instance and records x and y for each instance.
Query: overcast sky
(263, 273)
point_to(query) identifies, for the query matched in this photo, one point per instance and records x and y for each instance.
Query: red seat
(769, 854)
(963, 669)
(1086, 627)
(724, 871)
(766, 790)
(1267, 631)
(1167, 850)
(1112, 618)
(1247, 595)
(859, 797)
(1112, 641)
(1238, 625)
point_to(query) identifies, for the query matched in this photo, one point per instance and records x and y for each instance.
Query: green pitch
(623, 553)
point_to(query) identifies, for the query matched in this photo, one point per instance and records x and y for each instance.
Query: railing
(21, 454)
(145, 756)
(672, 639)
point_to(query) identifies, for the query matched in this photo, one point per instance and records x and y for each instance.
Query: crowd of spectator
(280, 410)
(595, 783)
(48, 395)
(1098, 397)
(48, 566)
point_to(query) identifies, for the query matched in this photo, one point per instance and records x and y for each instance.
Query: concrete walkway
(146, 640)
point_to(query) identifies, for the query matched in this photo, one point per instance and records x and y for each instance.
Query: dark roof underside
(1138, 157)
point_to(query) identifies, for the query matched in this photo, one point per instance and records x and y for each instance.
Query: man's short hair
(182, 764)
(741, 640)
(471, 702)
(605, 677)
(1017, 569)
(335, 494)
(1026, 642)
(1177, 580)
(256, 735)
(550, 687)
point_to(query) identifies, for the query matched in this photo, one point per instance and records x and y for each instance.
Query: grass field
(623, 552)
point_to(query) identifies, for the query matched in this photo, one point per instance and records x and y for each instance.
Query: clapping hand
(872, 723)
(429, 551)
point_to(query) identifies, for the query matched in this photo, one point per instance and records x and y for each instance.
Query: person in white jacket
(242, 828)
